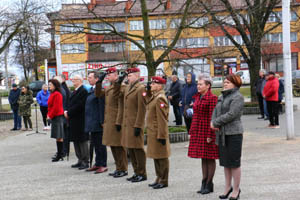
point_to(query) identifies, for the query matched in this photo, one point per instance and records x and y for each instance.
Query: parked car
(245, 76)
(217, 82)
(295, 75)
(36, 86)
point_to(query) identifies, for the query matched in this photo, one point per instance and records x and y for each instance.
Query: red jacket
(270, 91)
(55, 105)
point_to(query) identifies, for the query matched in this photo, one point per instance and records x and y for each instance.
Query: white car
(217, 82)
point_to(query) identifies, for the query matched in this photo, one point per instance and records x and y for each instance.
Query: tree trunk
(254, 67)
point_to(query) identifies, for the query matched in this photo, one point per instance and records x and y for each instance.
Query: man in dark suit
(13, 101)
(94, 119)
(76, 114)
(174, 97)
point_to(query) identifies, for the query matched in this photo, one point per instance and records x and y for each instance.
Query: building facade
(83, 43)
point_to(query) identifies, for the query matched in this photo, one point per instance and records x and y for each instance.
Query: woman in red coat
(56, 114)
(202, 141)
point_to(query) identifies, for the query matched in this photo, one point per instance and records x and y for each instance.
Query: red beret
(158, 79)
(133, 70)
(111, 70)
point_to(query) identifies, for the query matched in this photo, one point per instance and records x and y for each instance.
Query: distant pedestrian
(264, 100)
(280, 93)
(203, 138)
(14, 105)
(174, 97)
(56, 115)
(42, 99)
(94, 119)
(226, 121)
(76, 114)
(258, 87)
(186, 99)
(270, 93)
(158, 144)
(25, 101)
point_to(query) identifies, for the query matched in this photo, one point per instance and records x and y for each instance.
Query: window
(136, 25)
(294, 16)
(197, 66)
(113, 47)
(192, 42)
(160, 44)
(226, 20)
(224, 41)
(106, 28)
(277, 37)
(175, 23)
(72, 48)
(71, 28)
(133, 47)
(198, 22)
(157, 24)
(277, 16)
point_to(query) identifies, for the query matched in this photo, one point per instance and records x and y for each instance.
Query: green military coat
(25, 101)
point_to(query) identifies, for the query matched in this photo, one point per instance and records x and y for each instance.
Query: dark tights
(208, 169)
(26, 120)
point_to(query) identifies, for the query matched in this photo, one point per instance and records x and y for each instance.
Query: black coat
(94, 113)
(13, 98)
(76, 113)
(258, 85)
(175, 92)
(67, 91)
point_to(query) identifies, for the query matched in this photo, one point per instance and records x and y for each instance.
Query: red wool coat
(271, 89)
(200, 128)
(55, 105)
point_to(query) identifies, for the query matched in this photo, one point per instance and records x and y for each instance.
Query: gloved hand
(121, 78)
(162, 141)
(148, 86)
(137, 131)
(118, 127)
(101, 77)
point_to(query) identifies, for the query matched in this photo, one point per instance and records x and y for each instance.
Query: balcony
(107, 56)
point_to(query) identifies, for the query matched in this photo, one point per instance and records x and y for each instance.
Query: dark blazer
(76, 113)
(13, 98)
(175, 92)
(67, 91)
(94, 113)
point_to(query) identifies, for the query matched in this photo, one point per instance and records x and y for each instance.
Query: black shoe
(178, 124)
(225, 196)
(153, 184)
(77, 165)
(113, 173)
(54, 156)
(236, 198)
(262, 117)
(202, 186)
(83, 166)
(209, 187)
(120, 174)
(267, 118)
(138, 178)
(14, 129)
(160, 186)
(131, 178)
(174, 121)
(57, 158)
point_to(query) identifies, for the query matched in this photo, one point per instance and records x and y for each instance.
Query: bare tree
(249, 20)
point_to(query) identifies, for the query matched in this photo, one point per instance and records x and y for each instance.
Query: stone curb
(6, 116)
(255, 110)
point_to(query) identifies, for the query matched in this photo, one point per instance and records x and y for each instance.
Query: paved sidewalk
(270, 170)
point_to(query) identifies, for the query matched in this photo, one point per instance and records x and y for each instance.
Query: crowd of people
(115, 116)
(269, 91)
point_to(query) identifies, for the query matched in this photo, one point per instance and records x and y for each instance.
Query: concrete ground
(270, 169)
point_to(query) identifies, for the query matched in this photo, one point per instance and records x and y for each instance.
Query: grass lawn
(244, 90)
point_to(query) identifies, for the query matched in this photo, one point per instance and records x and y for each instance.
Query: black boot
(202, 186)
(59, 155)
(209, 187)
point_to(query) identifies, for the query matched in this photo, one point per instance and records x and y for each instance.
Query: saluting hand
(209, 140)
(137, 131)
(118, 127)
(162, 141)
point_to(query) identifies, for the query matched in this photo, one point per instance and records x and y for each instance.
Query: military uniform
(111, 136)
(157, 128)
(134, 117)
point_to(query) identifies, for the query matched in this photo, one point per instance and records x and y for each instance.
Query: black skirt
(57, 127)
(230, 154)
